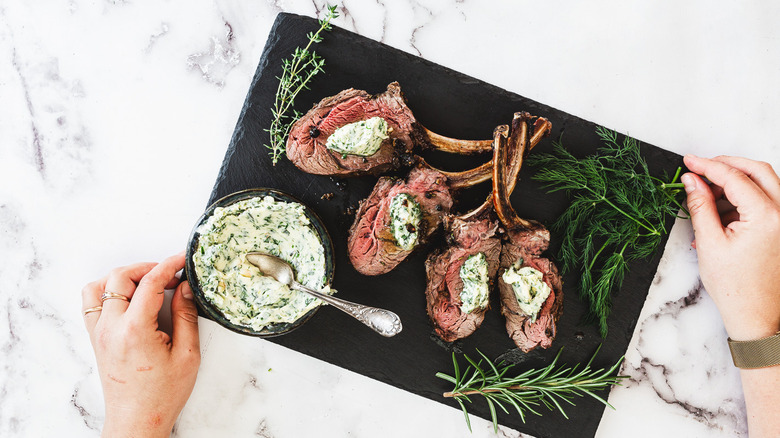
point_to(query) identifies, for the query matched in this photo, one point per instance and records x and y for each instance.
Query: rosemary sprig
(616, 215)
(550, 386)
(297, 71)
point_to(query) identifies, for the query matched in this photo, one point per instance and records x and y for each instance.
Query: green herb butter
(359, 138)
(405, 217)
(474, 274)
(530, 289)
(236, 287)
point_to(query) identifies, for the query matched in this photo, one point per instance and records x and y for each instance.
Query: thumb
(184, 321)
(701, 205)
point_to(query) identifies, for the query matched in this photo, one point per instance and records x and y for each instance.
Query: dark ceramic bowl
(215, 314)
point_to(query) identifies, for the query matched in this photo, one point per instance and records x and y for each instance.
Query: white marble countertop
(115, 115)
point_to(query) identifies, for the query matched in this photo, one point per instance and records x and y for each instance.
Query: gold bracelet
(759, 353)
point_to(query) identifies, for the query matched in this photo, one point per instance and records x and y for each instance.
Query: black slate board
(458, 106)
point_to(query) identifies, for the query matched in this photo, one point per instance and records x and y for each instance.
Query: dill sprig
(297, 71)
(617, 214)
(551, 386)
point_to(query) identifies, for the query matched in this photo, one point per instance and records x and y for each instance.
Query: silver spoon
(384, 322)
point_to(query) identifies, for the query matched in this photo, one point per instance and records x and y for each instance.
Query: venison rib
(524, 240)
(306, 144)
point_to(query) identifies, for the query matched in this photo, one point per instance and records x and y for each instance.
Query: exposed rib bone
(456, 146)
(468, 178)
(472, 177)
(465, 178)
(518, 135)
(542, 128)
(502, 174)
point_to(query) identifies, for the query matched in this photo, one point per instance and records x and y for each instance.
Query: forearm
(125, 429)
(761, 386)
(136, 417)
(762, 398)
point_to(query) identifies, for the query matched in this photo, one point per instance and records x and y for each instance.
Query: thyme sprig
(552, 386)
(616, 215)
(297, 71)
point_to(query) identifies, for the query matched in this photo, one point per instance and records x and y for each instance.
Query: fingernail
(186, 292)
(690, 183)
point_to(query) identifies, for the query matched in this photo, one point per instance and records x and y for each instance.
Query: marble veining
(215, 63)
(36, 137)
(91, 421)
(115, 115)
(155, 36)
(59, 142)
(664, 376)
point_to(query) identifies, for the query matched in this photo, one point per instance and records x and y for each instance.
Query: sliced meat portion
(444, 282)
(371, 245)
(472, 233)
(306, 145)
(527, 333)
(524, 243)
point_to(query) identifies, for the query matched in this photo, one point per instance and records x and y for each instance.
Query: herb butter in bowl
(231, 290)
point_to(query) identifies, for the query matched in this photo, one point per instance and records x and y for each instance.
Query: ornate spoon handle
(382, 321)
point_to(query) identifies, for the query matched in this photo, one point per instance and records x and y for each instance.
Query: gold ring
(93, 309)
(113, 296)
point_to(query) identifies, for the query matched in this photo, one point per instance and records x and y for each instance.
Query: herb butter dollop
(235, 286)
(474, 275)
(405, 217)
(359, 138)
(530, 289)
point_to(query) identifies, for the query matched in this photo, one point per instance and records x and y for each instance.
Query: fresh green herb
(297, 71)
(550, 386)
(617, 214)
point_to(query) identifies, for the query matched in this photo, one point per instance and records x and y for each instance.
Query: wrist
(120, 426)
(750, 322)
(759, 353)
(750, 330)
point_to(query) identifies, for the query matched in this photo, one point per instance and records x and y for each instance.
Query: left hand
(147, 376)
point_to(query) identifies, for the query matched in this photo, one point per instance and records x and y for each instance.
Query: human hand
(736, 223)
(147, 376)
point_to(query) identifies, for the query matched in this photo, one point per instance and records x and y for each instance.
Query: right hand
(738, 240)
